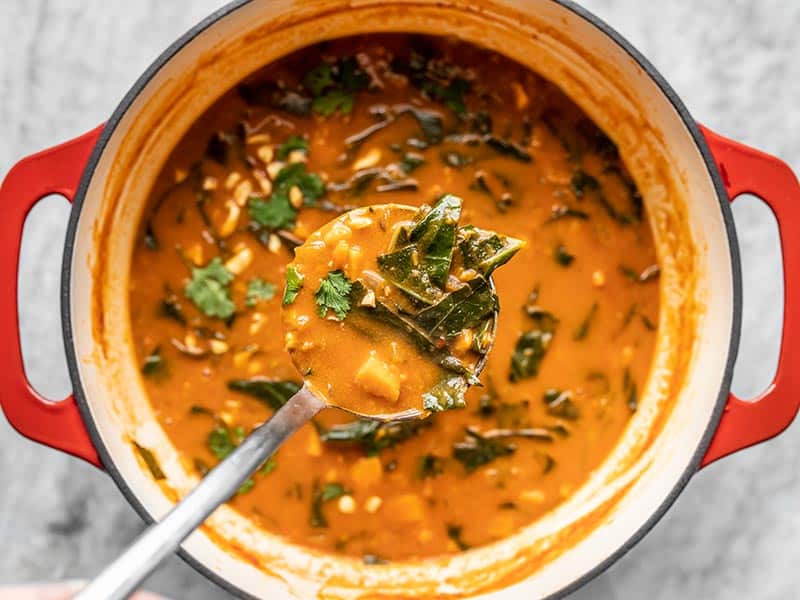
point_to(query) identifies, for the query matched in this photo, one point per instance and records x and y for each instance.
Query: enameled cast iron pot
(687, 174)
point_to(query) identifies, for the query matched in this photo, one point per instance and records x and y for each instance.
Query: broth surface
(397, 118)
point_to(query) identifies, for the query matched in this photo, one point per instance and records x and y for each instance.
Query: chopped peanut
(532, 497)
(359, 222)
(375, 377)
(367, 472)
(370, 159)
(405, 508)
(218, 346)
(232, 179)
(242, 357)
(598, 278)
(265, 154)
(295, 196)
(242, 192)
(296, 156)
(257, 321)
(347, 505)
(467, 275)
(274, 168)
(258, 138)
(274, 243)
(263, 182)
(239, 261)
(290, 341)
(210, 183)
(373, 504)
(231, 221)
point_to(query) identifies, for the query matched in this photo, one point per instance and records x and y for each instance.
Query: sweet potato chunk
(376, 378)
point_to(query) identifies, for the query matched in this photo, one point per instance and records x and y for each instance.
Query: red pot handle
(54, 171)
(745, 170)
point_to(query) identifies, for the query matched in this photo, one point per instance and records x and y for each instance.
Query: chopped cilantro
(334, 100)
(258, 289)
(333, 294)
(326, 493)
(268, 467)
(208, 289)
(310, 184)
(275, 213)
(154, 363)
(294, 283)
(295, 142)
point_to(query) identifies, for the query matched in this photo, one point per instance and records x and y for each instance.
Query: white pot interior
(696, 318)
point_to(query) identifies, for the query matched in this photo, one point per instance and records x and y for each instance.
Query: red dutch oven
(687, 174)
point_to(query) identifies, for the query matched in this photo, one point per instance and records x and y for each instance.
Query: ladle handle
(122, 577)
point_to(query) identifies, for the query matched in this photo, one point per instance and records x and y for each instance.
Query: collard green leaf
(422, 266)
(476, 450)
(374, 436)
(321, 495)
(429, 466)
(484, 251)
(560, 404)
(274, 393)
(150, 460)
(466, 307)
(447, 394)
(528, 353)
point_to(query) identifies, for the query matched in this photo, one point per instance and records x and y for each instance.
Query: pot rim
(693, 129)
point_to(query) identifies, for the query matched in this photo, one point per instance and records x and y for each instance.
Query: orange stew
(397, 119)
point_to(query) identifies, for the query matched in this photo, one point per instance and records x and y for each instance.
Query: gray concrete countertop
(734, 532)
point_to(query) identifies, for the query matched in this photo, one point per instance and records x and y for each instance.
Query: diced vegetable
(376, 378)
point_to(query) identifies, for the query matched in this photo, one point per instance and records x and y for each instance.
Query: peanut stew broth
(405, 119)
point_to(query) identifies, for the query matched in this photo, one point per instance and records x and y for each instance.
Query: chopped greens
(275, 213)
(476, 450)
(257, 290)
(154, 364)
(171, 308)
(484, 250)
(222, 440)
(583, 329)
(374, 436)
(333, 294)
(209, 291)
(294, 283)
(445, 395)
(334, 85)
(274, 393)
(629, 390)
(560, 404)
(429, 465)
(563, 257)
(454, 532)
(421, 264)
(528, 353)
(150, 460)
(295, 174)
(295, 142)
(321, 495)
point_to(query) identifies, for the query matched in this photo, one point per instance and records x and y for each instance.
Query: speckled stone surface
(734, 532)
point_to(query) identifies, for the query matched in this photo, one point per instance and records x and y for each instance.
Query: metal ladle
(123, 576)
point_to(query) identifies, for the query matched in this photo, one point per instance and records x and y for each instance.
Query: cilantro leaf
(222, 441)
(310, 184)
(208, 289)
(258, 289)
(334, 100)
(275, 213)
(294, 283)
(319, 79)
(295, 142)
(333, 294)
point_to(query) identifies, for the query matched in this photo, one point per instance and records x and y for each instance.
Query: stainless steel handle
(123, 576)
